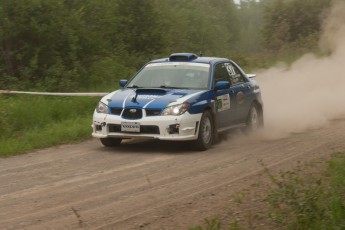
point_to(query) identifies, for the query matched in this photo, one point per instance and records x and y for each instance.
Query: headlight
(175, 110)
(102, 108)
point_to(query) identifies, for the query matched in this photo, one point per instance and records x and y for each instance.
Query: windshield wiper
(133, 86)
(169, 87)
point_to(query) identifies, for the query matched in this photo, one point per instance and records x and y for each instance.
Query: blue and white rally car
(180, 98)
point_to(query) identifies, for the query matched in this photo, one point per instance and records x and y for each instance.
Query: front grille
(132, 113)
(153, 112)
(149, 129)
(116, 111)
(114, 128)
(144, 129)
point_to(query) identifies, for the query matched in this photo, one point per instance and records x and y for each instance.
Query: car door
(241, 91)
(225, 98)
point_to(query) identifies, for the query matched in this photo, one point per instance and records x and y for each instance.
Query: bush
(311, 202)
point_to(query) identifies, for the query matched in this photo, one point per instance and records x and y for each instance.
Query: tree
(287, 21)
(199, 25)
(38, 41)
(138, 27)
(251, 13)
(54, 44)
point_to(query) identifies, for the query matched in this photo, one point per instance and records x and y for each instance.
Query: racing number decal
(230, 69)
(223, 102)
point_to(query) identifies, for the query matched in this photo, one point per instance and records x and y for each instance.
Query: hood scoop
(146, 91)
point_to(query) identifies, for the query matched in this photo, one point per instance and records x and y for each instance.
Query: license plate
(133, 127)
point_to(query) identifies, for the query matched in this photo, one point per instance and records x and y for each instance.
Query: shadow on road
(157, 146)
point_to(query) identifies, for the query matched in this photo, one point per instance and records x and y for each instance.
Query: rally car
(180, 98)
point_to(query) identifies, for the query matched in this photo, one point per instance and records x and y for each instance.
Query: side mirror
(250, 75)
(222, 85)
(122, 83)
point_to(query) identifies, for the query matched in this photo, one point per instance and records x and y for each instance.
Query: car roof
(190, 57)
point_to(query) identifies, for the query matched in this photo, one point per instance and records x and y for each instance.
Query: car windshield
(179, 75)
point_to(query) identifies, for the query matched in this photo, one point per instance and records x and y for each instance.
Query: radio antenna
(202, 43)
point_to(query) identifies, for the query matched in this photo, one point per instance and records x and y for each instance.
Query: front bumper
(175, 128)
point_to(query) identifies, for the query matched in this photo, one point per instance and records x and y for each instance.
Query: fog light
(173, 129)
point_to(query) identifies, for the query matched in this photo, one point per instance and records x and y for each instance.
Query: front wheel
(205, 137)
(111, 142)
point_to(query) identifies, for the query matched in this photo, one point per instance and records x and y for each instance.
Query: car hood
(149, 98)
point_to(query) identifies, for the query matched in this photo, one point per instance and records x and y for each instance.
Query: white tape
(52, 93)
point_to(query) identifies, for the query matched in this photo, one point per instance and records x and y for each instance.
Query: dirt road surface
(145, 185)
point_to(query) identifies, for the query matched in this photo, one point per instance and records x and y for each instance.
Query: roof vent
(182, 57)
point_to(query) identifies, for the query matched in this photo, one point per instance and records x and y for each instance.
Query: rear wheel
(205, 137)
(254, 119)
(111, 142)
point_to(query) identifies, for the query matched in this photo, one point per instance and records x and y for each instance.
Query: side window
(221, 73)
(236, 76)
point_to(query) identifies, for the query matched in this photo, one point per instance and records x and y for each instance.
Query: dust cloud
(311, 91)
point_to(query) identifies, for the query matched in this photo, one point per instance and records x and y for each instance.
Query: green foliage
(213, 224)
(138, 26)
(66, 131)
(193, 26)
(298, 201)
(51, 44)
(25, 120)
(106, 73)
(27, 112)
(288, 21)
(251, 20)
(59, 45)
(309, 202)
(35, 40)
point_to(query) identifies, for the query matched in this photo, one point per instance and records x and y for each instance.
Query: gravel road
(145, 185)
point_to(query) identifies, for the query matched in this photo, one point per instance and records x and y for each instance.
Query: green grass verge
(301, 200)
(311, 202)
(215, 224)
(67, 131)
(33, 122)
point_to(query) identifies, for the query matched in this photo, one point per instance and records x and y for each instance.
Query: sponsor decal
(148, 97)
(223, 102)
(240, 97)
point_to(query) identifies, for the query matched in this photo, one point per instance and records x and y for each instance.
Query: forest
(63, 45)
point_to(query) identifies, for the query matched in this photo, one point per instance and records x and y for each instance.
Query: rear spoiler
(250, 75)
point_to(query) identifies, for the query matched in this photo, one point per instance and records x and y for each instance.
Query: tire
(111, 142)
(206, 132)
(254, 119)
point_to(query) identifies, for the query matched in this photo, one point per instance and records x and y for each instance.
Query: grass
(301, 200)
(33, 122)
(67, 131)
(211, 224)
(311, 202)
(215, 224)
